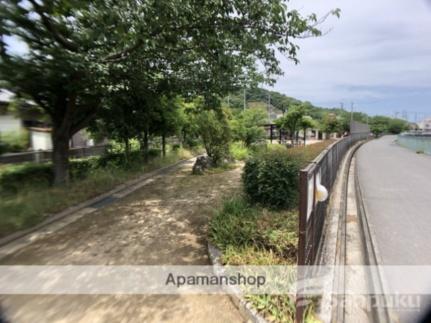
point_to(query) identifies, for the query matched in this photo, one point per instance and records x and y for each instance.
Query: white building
(425, 125)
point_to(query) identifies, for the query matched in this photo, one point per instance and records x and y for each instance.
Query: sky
(377, 55)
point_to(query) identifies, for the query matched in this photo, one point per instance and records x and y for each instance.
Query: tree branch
(51, 28)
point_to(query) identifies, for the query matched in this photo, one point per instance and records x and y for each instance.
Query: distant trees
(381, 125)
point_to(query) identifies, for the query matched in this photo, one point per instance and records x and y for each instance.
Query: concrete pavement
(396, 188)
(396, 184)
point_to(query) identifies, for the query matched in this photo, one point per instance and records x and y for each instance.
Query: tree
(214, 130)
(306, 123)
(330, 123)
(396, 126)
(291, 121)
(199, 48)
(247, 126)
(167, 120)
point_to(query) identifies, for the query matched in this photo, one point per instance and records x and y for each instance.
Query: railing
(312, 214)
(45, 155)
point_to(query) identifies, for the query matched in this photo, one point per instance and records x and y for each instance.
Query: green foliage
(380, 125)
(24, 176)
(238, 151)
(331, 123)
(14, 141)
(239, 225)
(247, 126)
(191, 48)
(271, 179)
(396, 126)
(214, 130)
(293, 120)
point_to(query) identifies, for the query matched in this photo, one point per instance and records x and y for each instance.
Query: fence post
(303, 210)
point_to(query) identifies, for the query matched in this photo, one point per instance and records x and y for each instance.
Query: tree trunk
(60, 157)
(305, 135)
(163, 145)
(126, 149)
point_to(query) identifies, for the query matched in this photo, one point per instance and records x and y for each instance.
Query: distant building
(425, 125)
(29, 117)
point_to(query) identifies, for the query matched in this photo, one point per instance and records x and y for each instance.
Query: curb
(90, 205)
(246, 310)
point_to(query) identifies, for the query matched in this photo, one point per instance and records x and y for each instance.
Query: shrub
(271, 179)
(239, 227)
(238, 151)
(215, 133)
(14, 141)
(20, 177)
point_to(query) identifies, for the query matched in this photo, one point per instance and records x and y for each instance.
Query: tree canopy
(193, 48)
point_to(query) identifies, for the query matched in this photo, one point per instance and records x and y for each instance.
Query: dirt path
(163, 223)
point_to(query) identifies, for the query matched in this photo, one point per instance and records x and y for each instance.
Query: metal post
(303, 205)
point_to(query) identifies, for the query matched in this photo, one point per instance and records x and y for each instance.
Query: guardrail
(312, 214)
(45, 155)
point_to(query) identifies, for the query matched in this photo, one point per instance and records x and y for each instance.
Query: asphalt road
(396, 187)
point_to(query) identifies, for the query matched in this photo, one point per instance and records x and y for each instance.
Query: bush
(238, 151)
(20, 177)
(14, 141)
(239, 226)
(271, 179)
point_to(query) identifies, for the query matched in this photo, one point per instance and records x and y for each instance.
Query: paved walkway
(163, 223)
(396, 187)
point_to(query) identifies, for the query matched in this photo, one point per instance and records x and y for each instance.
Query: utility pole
(351, 111)
(269, 106)
(245, 100)
(342, 105)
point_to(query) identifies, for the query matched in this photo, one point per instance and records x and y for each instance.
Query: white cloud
(376, 51)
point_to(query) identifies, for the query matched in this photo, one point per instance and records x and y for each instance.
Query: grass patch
(249, 234)
(35, 202)
(239, 151)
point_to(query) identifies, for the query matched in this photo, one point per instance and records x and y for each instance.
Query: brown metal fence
(312, 214)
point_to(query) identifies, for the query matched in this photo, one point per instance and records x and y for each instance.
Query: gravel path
(163, 223)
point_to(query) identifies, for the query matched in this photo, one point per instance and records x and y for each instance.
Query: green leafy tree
(306, 123)
(247, 126)
(213, 128)
(205, 48)
(291, 121)
(330, 123)
(396, 126)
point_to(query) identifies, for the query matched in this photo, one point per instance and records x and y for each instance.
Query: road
(396, 187)
(162, 223)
